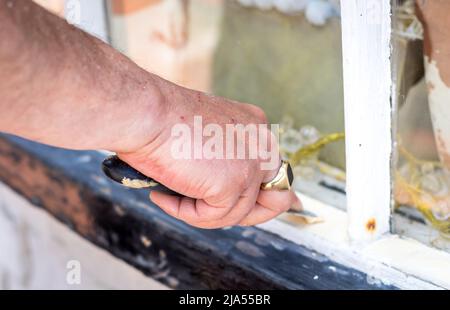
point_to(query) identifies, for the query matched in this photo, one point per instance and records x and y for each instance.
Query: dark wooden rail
(71, 187)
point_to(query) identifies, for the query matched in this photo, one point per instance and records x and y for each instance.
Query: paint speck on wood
(106, 191)
(162, 254)
(146, 241)
(119, 211)
(261, 240)
(249, 249)
(84, 159)
(277, 245)
(247, 233)
(100, 180)
(172, 282)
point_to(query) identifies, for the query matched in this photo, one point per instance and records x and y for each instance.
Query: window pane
(284, 56)
(423, 93)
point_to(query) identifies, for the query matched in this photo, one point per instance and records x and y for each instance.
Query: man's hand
(224, 192)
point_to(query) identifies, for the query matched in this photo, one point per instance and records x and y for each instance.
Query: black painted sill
(71, 187)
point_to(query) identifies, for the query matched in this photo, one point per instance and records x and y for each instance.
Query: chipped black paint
(179, 256)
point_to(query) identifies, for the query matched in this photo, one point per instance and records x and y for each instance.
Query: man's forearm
(63, 87)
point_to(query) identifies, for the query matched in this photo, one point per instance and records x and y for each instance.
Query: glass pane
(422, 77)
(282, 55)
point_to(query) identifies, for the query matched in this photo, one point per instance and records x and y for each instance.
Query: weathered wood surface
(38, 252)
(71, 186)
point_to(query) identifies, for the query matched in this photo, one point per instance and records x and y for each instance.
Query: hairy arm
(63, 87)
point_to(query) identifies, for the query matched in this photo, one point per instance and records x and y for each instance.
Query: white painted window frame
(366, 37)
(344, 236)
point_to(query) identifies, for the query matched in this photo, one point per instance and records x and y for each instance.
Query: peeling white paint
(439, 102)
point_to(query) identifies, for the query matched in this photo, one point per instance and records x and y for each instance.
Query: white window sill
(398, 261)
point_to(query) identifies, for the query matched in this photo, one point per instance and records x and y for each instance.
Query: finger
(270, 204)
(258, 215)
(279, 200)
(243, 207)
(168, 203)
(187, 209)
(272, 164)
(258, 112)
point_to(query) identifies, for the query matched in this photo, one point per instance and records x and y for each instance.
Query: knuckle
(224, 195)
(258, 112)
(261, 114)
(241, 178)
(241, 184)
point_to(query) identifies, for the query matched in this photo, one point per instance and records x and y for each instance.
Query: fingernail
(297, 205)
